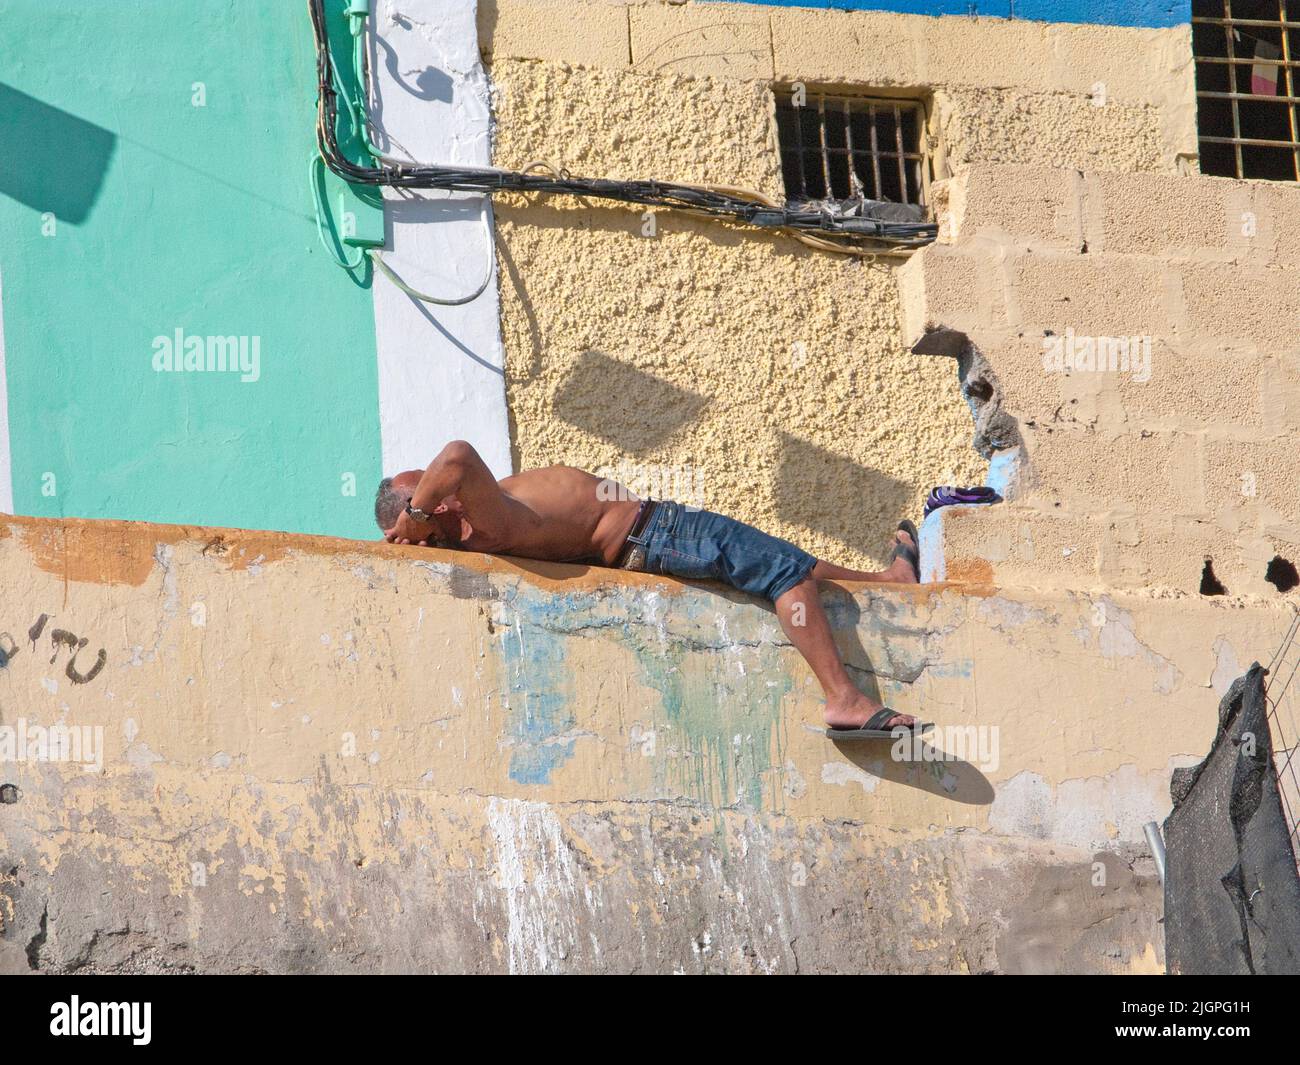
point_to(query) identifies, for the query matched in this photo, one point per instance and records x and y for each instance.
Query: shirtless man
(562, 514)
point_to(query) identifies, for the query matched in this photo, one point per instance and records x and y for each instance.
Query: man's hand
(409, 531)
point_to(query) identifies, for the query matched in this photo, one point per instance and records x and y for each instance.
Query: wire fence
(1282, 670)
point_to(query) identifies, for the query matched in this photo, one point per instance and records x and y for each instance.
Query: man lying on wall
(562, 514)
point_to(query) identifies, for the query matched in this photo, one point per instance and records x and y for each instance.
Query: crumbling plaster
(329, 755)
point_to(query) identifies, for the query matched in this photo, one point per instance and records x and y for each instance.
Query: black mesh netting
(1232, 896)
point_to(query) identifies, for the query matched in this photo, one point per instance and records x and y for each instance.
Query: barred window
(851, 147)
(1246, 81)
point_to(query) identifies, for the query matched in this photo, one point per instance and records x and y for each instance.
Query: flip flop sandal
(907, 551)
(875, 729)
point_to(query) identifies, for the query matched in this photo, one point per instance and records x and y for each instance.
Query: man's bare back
(557, 513)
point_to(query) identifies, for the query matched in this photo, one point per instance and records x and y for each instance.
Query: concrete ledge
(324, 755)
(547, 30)
(703, 41)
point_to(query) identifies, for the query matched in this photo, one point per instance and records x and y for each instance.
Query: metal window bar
(898, 139)
(1290, 87)
(826, 154)
(799, 150)
(1232, 26)
(875, 148)
(1284, 751)
(869, 168)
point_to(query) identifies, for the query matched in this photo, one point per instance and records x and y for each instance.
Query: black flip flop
(874, 730)
(912, 551)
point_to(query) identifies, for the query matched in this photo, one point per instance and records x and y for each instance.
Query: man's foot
(856, 712)
(901, 570)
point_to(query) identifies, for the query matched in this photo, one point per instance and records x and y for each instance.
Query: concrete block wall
(1138, 475)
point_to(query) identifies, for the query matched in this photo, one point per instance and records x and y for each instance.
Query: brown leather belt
(632, 556)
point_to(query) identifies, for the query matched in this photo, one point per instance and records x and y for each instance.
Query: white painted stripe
(440, 368)
(6, 469)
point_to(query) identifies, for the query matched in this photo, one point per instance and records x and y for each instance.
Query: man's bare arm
(457, 471)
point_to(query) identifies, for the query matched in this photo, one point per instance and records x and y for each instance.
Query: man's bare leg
(807, 627)
(899, 571)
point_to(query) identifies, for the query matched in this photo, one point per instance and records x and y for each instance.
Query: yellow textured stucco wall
(770, 378)
(768, 372)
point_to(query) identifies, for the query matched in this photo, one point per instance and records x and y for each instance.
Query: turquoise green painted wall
(174, 216)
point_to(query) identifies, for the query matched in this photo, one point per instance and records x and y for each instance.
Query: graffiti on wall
(61, 641)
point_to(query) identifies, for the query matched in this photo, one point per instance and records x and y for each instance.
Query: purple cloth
(945, 495)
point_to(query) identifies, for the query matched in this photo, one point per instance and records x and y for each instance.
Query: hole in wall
(1210, 584)
(995, 429)
(1281, 574)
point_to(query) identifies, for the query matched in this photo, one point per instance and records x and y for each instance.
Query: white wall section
(441, 369)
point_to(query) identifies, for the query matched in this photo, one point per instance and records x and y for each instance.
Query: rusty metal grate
(1247, 53)
(844, 147)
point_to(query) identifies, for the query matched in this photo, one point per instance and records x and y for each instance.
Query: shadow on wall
(430, 84)
(903, 660)
(857, 495)
(51, 160)
(652, 410)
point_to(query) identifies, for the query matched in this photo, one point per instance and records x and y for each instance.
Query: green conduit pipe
(355, 102)
(316, 176)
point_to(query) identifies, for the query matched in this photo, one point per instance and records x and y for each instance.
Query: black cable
(647, 193)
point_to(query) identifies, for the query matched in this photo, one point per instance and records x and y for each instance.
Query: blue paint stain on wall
(719, 735)
(538, 698)
(1148, 13)
(959, 668)
(1004, 471)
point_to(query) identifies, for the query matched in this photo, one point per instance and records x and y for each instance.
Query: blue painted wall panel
(1102, 12)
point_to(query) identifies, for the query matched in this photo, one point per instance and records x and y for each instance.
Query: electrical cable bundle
(812, 224)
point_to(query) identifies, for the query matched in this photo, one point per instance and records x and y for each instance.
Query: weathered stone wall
(1138, 469)
(332, 756)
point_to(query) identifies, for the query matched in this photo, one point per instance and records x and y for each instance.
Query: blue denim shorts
(681, 541)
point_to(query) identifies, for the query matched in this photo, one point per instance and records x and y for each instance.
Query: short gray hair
(390, 502)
